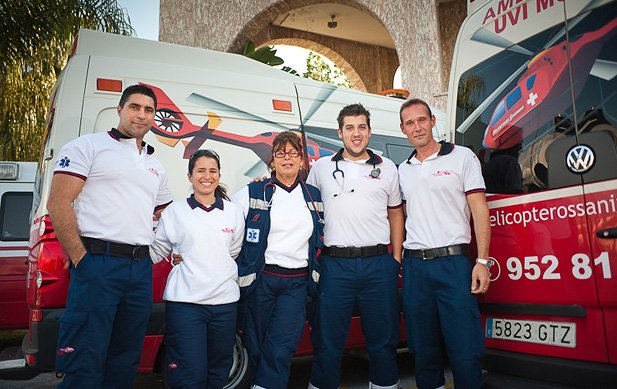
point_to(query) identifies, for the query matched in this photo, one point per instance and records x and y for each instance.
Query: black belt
(103, 247)
(352, 252)
(284, 271)
(455, 249)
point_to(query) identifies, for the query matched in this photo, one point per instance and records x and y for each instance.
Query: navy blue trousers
(199, 344)
(102, 330)
(371, 283)
(437, 301)
(275, 319)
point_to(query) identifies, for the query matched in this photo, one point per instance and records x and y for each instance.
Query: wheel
(239, 374)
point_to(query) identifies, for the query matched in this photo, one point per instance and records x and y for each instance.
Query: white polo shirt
(436, 192)
(208, 238)
(291, 225)
(355, 203)
(122, 186)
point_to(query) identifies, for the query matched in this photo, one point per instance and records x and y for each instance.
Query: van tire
(239, 377)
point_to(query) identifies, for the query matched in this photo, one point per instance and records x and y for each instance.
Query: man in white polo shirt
(442, 185)
(363, 214)
(105, 189)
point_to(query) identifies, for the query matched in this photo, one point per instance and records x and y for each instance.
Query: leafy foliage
(265, 54)
(319, 70)
(470, 89)
(37, 36)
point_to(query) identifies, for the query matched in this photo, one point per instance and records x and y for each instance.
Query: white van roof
(103, 44)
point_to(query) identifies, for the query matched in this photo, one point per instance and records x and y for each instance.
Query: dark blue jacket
(251, 261)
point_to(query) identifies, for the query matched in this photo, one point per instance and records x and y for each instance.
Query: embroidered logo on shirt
(64, 162)
(252, 235)
(442, 173)
(172, 366)
(228, 230)
(153, 171)
(65, 350)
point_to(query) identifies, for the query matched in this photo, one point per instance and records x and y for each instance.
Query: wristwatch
(486, 262)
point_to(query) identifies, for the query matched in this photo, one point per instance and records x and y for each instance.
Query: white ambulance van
(16, 185)
(206, 99)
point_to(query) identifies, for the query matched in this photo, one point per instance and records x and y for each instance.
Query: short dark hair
(137, 89)
(220, 190)
(282, 139)
(411, 102)
(353, 110)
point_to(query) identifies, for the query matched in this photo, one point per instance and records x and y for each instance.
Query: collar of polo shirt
(218, 203)
(117, 135)
(446, 148)
(285, 187)
(373, 159)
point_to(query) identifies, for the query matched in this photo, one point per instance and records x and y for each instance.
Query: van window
(513, 97)
(530, 81)
(15, 216)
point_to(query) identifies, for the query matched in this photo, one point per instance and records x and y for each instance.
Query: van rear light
(45, 228)
(30, 359)
(39, 279)
(48, 269)
(106, 84)
(36, 315)
(281, 105)
(9, 171)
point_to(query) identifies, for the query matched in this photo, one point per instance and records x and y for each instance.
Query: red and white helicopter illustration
(545, 84)
(172, 126)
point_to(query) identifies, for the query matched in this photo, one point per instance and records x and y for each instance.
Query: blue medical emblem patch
(64, 162)
(252, 235)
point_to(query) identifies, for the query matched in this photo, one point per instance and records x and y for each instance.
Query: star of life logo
(64, 162)
(252, 235)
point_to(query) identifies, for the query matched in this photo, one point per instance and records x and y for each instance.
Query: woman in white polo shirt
(202, 292)
(277, 267)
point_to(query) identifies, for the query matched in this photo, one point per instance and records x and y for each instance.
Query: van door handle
(608, 233)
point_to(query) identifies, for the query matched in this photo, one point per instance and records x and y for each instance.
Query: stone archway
(415, 27)
(350, 72)
(370, 67)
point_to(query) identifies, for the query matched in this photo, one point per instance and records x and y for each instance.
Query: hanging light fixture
(332, 23)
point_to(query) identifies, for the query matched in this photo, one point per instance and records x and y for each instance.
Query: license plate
(543, 332)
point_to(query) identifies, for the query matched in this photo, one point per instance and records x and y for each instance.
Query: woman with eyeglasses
(277, 266)
(202, 292)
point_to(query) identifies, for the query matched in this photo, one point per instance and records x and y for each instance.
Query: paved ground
(354, 375)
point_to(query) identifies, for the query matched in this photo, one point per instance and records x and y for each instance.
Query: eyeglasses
(282, 154)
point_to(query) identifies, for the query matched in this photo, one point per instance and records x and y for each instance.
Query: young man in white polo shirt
(105, 189)
(363, 214)
(442, 185)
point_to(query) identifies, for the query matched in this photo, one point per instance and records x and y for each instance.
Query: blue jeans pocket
(72, 341)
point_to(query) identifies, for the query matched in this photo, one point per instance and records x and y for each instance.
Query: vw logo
(580, 159)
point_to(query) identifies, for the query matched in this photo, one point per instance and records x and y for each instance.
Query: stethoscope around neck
(273, 185)
(374, 174)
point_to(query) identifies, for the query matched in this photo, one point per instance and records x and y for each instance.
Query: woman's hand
(176, 259)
